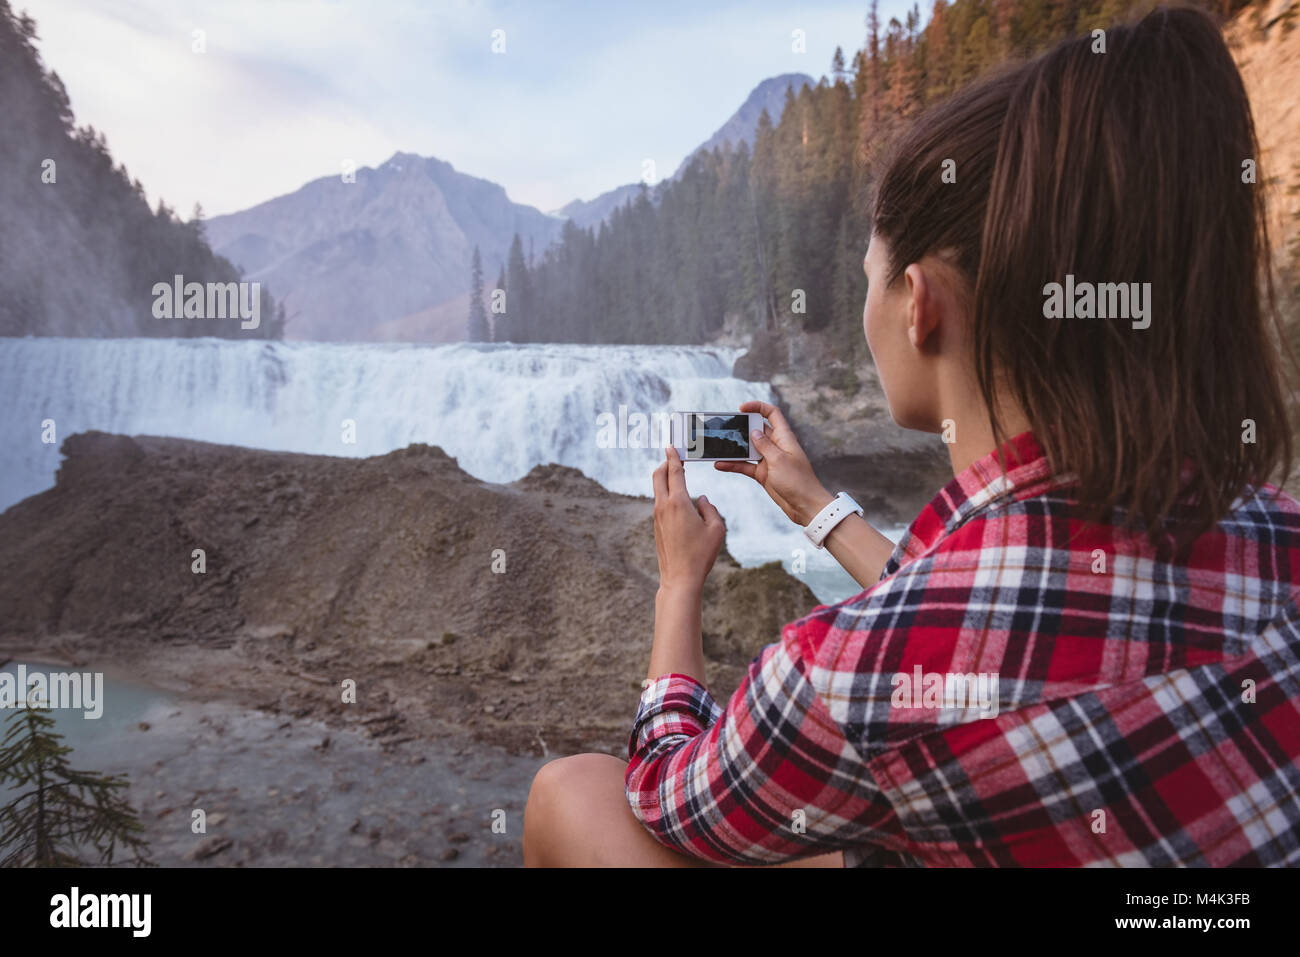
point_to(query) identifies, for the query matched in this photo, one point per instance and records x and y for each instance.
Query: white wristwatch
(838, 509)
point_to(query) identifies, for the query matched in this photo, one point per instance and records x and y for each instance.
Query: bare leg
(577, 816)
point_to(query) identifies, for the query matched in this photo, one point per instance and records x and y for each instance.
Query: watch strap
(838, 509)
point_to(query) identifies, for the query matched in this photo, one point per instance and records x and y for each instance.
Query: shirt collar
(973, 489)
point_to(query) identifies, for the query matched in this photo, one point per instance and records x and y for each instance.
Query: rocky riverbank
(395, 605)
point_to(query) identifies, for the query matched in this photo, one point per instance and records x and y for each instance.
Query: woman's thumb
(708, 511)
(763, 444)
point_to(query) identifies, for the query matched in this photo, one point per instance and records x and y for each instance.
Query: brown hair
(1123, 166)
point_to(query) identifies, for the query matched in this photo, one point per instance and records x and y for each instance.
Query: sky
(572, 101)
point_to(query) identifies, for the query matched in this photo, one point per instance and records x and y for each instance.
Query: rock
(340, 584)
(208, 847)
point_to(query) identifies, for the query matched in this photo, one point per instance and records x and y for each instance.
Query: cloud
(288, 89)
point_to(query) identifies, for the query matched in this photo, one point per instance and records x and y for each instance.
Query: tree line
(80, 247)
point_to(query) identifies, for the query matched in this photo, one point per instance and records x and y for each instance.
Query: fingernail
(704, 500)
(756, 434)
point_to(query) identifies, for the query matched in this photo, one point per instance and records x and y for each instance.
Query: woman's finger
(676, 474)
(708, 511)
(764, 445)
(780, 427)
(744, 468)
(660, 481)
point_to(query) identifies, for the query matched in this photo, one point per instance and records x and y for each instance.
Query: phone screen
(717, 436)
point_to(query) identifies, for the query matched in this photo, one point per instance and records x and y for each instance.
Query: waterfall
(498, 409)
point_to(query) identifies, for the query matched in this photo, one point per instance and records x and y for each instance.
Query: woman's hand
(784, 472)
(687, 539)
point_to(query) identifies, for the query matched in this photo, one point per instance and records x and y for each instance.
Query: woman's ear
(922, 307)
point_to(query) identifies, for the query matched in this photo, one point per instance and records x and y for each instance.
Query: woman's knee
(564, 801)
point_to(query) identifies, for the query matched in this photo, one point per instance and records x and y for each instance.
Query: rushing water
(499, 410)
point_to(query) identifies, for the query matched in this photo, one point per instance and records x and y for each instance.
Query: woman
(1109, 566)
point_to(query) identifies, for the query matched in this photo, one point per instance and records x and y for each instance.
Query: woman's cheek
(878, 348)
(889, 356)
(868, 330)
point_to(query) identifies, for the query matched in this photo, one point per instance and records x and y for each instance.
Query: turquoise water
(124, 705)
(97, 743)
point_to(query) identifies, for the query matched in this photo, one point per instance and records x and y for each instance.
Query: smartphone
(716, 436)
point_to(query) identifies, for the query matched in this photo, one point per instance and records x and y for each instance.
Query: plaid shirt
(1138, 712)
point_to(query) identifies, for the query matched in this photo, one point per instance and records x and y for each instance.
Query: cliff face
(1265, 41)
(1266, 46)
(519, 612)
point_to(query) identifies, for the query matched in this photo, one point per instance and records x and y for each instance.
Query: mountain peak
(353, 260)
(401, 159)
(768, 95)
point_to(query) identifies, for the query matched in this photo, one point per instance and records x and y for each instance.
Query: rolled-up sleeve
(770, 778)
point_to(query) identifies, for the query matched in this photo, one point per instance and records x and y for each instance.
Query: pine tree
(60, 814)
(741, 230)
(478, 320)
(838, 73)
(502, 329)
(518, 300)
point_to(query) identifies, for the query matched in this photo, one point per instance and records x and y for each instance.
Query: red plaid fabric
(1118, 708)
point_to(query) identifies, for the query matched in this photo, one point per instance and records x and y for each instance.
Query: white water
(499, 410)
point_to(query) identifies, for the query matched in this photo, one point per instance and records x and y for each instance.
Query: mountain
(348, 257)
(387, 257)
(588, 213)
(768, 95)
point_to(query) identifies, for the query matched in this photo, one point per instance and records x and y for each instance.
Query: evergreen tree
(59, 814)
(740, 230)
(502, 330)
(517, 293)
(478, 320)
(838, 73)
(105, 220)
